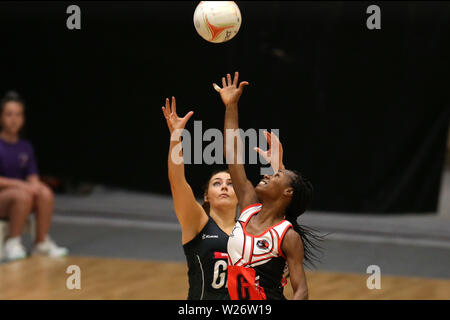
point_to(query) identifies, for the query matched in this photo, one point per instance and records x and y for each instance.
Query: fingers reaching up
(227, 82)
(236, 79)
(273, 155)
(231, 88)
(173, 120)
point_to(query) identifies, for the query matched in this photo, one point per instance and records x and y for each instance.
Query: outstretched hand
(230, 91)
(174, 122)
(273, 156)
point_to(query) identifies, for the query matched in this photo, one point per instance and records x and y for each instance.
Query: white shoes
(14, 250)
(49, 248)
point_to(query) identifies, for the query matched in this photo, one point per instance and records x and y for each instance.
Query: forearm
(189, 212)
(9, 182)
(176, 161)
(299, 286)
(231, 124)
(300, 294)
(233, 142)
(233, 146)
(231, 116)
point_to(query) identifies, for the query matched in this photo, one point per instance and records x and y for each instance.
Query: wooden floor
(45, 278)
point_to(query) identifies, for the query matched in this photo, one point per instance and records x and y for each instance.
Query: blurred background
(363, 113)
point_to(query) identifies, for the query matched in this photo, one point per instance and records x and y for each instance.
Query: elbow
(305, 295)
(301, 294)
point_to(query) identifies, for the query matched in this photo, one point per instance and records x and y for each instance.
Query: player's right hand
(230, 91)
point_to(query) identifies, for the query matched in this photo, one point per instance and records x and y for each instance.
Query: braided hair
(301, 200)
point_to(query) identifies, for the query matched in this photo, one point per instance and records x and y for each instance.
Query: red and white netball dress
(256, 263)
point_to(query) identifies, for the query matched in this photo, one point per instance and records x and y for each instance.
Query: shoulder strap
(282, 228)
(248, 211)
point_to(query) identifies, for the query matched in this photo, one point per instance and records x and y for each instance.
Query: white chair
(30, 227)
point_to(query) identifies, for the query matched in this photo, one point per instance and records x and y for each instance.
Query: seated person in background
(21, 191)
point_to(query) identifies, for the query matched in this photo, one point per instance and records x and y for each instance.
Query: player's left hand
(274, 156)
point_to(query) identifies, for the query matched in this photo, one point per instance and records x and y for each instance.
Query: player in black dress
(205, 228)
(266, 239)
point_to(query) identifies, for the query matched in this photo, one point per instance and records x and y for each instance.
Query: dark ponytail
(301, 200)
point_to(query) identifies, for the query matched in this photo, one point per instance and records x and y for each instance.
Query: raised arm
(233, 148)
(189, 212)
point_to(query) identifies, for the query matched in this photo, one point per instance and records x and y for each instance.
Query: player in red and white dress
(258, 259)
(266, 237)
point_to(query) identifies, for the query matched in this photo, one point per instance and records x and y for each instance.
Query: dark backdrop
(363, 113)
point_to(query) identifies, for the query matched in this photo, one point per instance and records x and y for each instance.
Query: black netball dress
(206, 256)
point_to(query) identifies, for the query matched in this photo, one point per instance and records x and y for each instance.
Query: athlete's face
(275, 186)
(220, 191)
(12, 117)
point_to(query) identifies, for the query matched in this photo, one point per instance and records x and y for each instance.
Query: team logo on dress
(23, 158)
(262, 244)
(209, 236)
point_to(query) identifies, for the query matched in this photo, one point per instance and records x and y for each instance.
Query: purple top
(17, 159)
